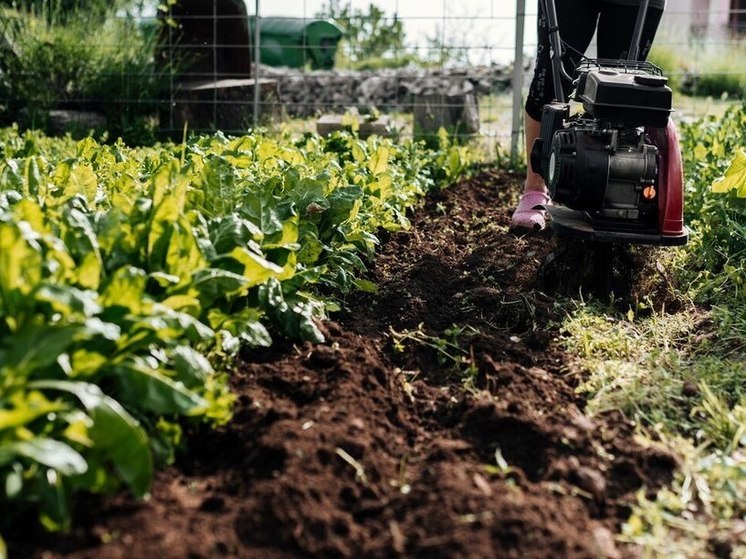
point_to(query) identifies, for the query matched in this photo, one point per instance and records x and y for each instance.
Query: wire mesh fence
(151, 71)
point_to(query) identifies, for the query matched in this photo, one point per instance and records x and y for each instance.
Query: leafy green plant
(716, 207)
(717, 72)
(671, 62)
(125, 275)
(63, 10)
(703, 70)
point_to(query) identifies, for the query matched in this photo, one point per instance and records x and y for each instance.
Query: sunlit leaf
(378, 163)
(47, 452)
(735, 176)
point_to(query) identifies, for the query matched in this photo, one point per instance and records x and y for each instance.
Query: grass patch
(680, 376)
(683, 385)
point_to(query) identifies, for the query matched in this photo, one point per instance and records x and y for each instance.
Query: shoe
(531, 211)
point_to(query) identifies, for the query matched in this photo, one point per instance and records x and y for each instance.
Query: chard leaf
(261, 209)
(68, 300)
(294, 315)
(20, 267)
(37, 347)
(47, 452)
(343, 205)
(213, 283)
(25, 408)
(191, 367)
(114, 432)
(735, 176)
(232, 231)
(146, 388)
(253, 267)
(306, 192)
(125, 289)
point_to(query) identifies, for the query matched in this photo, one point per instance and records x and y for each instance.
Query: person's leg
(577, 23)
(616, 26)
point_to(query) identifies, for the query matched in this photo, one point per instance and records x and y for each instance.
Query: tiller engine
(613, 170)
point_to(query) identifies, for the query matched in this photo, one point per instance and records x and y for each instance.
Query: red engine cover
(670, 180)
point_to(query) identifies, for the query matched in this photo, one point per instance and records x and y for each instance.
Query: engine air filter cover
(633, 98)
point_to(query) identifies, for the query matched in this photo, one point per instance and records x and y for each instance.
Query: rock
(591, 481)
(458, 114)
(604, 543)
(328, 124)
(62, 121)
(305, 93)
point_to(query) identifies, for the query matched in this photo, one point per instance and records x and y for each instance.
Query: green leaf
(20, 267)
(115, 433)
(37, 347)
(191, 367)
(76, 178)
(161, 229)
(47, 452)
(126, 289)
(231, 231)
(213, 284)
(183, 325)
(293, 315)
(146, 388)
(311, 248)
(54, 513)
(184, 252)
(253, 267)
(378, 164)
(260, 208)
(14, 482)
(25, 407)
(307, 192)
(242, 326)
(365, 285)
(68, 300)
(343, 205)
(735, 176)
(287, 238)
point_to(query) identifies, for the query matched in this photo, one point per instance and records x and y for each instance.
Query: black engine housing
(582, 157)
(600, 162)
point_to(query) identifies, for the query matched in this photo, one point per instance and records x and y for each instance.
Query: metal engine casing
(600, 162)
(603, 171)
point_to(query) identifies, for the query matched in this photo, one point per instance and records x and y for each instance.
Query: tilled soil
(439, 420)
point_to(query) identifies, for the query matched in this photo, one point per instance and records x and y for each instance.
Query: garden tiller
(614, 169)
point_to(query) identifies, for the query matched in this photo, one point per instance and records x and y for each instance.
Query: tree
(369, 34)
(63, 10)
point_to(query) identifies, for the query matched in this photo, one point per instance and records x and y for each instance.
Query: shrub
(671, 62)
(68, 65)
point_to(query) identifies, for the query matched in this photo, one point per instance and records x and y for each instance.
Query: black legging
(577, 20)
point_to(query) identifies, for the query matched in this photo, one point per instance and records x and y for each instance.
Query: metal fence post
(215, 37)
(257, 58)
(515, 131)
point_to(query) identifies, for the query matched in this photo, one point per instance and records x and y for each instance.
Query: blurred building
(705, 19)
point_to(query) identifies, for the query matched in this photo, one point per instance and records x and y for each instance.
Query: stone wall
(311, 93)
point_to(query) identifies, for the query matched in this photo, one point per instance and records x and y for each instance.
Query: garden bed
(439, 419)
